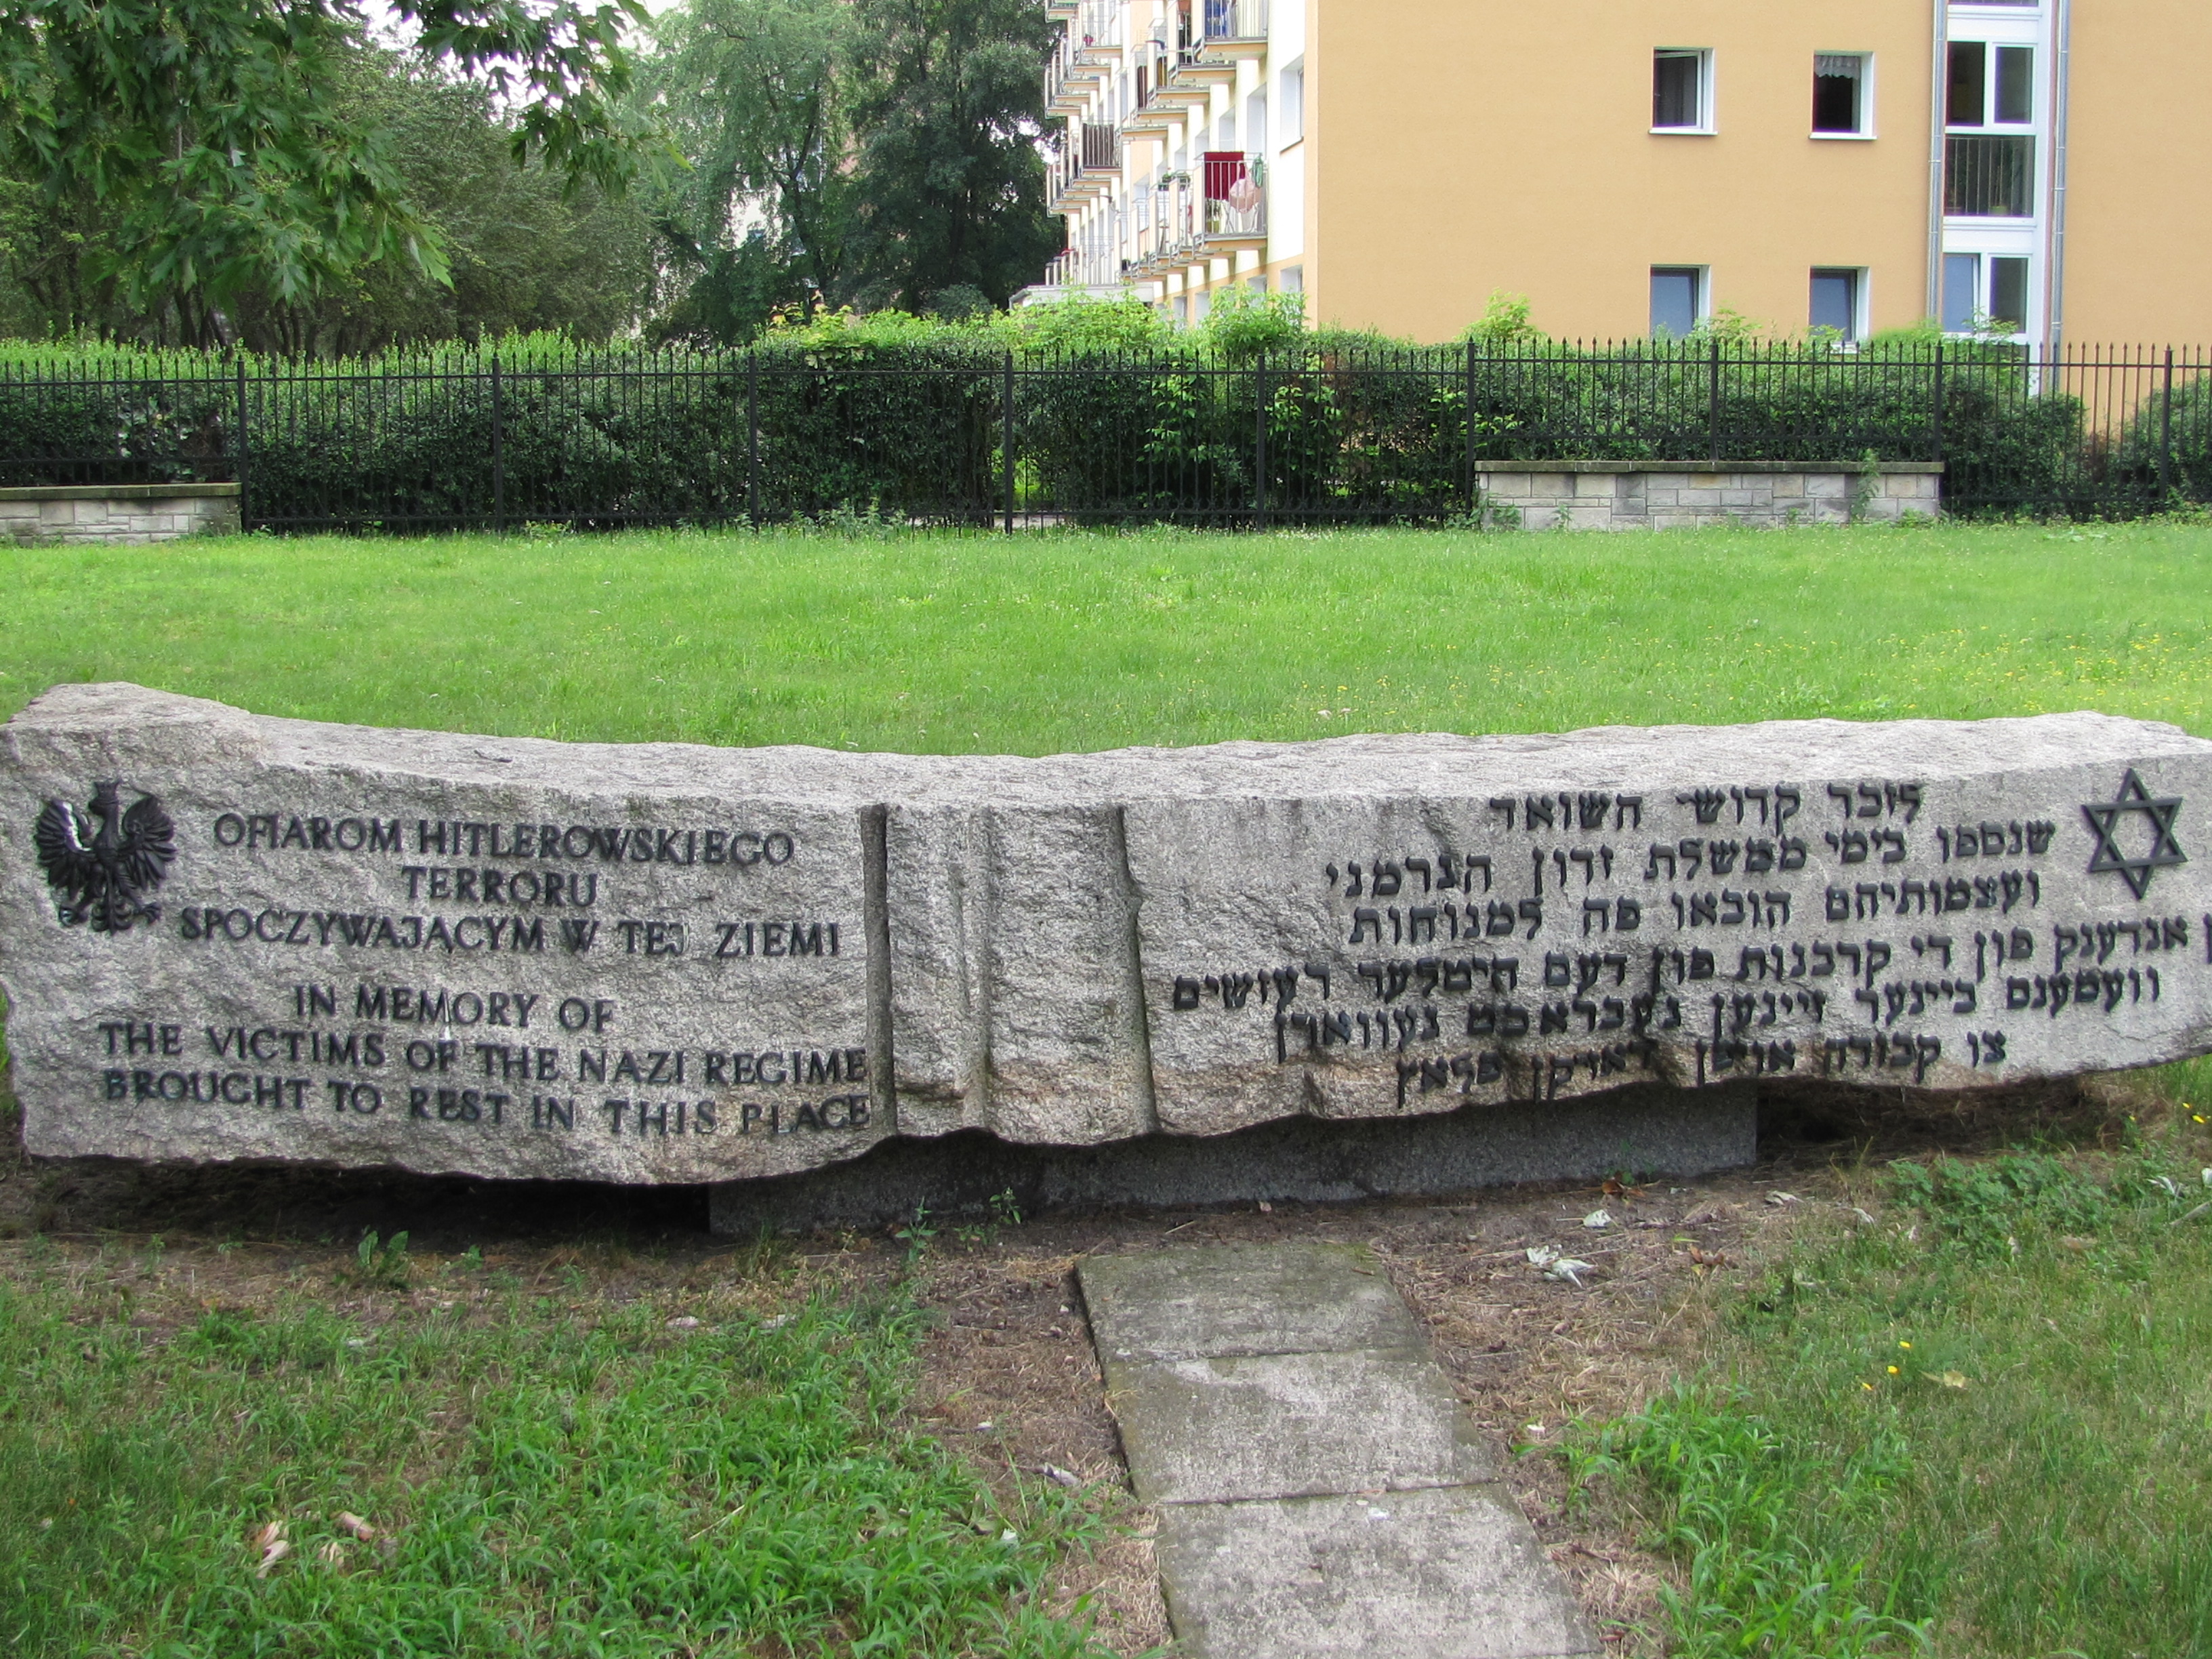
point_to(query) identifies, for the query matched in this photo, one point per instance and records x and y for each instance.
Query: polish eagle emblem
(101, 875)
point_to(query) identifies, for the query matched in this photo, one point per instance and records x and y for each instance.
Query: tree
(949, 106)
(209, 134)
(754, 96)
(525, 249)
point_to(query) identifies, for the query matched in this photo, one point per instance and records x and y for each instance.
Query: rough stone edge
(1652, 1129)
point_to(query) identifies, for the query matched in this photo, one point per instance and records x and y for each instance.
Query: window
(1681, 93)
(1292, 279)
(1981, 291)
(1678, 299)
(1292, 96)
(1200, 303)
(1962, 299)
(1255, 122)
(1989, 85)
(1257, 284)
(2009, 294)
(1965, 101)
(1836, 301)
(1840, 100)
(1988, 175)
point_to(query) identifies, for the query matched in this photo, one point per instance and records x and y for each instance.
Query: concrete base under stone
(1642, 1129)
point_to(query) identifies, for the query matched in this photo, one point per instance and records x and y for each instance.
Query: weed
(378, 1265)
(916, 1235)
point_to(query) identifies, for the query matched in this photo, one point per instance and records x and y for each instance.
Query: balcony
(1235, 204)
(1175, 81)
(1160, 104)
(1088, 161)
(1232, 28)
(1097, 29)
(1989, 176)
(1070, 80)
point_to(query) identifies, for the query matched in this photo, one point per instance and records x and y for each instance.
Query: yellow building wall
(2139, 175)
(1457, 148)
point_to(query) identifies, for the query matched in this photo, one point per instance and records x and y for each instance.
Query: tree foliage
(756, 96)
(204, 150)
(951, 181)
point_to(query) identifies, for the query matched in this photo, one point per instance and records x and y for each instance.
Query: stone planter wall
(117, 513)
(1690, 494)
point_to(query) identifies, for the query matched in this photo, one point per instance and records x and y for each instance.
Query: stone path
(1320, 1490)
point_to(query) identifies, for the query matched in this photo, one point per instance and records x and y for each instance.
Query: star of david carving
(2105, 818)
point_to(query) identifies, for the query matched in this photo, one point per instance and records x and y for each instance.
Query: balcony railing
(1223, 23)
(1088, 161)
(1078, 269)
(1097, 27)
(1236, 208)
(1991, 176)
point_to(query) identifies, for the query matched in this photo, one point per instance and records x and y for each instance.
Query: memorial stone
(230, 937)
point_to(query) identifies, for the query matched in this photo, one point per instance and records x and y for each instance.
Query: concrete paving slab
(1446, 1573)
(1291, 1425)
(1222, 1301)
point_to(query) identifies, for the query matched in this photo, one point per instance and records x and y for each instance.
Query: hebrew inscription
(228, 937)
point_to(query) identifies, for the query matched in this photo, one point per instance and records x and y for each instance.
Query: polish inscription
(356, 976)
(272, 939)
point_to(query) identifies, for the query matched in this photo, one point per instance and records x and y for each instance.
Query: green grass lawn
(2054, 1502)
(1038, 643)
(1967, 1416)
(543, 1467)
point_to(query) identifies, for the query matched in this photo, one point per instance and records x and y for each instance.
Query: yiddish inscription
(228, 937)
(1919, 930)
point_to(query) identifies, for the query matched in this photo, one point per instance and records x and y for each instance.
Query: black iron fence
(955, 435)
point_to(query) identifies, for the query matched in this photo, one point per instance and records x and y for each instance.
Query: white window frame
(1862, 310)
(1707, 123)
(1866, 131)
(1701, 305)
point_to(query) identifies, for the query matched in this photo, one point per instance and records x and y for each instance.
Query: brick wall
(1684, 494)
(117, 513)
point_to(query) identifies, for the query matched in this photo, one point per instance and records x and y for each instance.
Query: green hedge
(1113, 418)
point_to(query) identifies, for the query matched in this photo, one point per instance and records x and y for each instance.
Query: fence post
(498, 459)
(1936, 400)
(2165, 433)
(1260, 442)
(1006, 440)
(242, 445)
(752, 438)
(1713, 405)
(1473, 502)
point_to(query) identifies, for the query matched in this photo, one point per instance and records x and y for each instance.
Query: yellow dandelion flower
(1892, 1370)
(1905, 1344)
(1869, 1387)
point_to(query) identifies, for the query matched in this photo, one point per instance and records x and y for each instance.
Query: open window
(1682, 89)
(1841, 105)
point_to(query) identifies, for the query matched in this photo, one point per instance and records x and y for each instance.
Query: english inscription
(263, 938)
